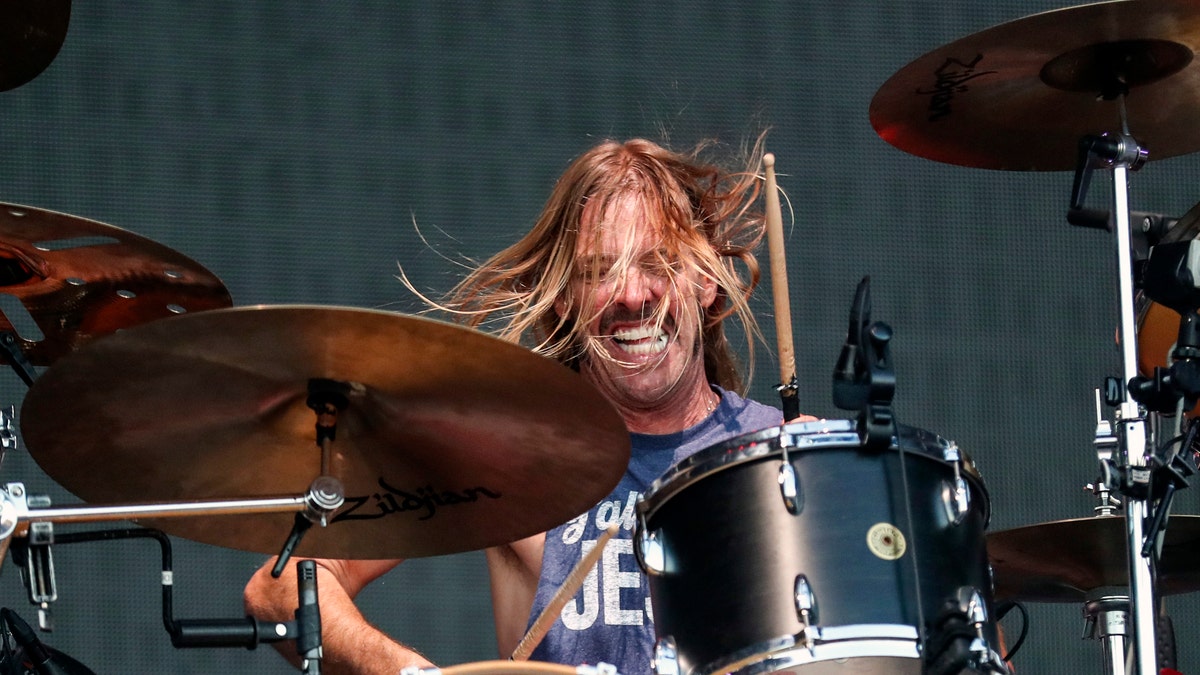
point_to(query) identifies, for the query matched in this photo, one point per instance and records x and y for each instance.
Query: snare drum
(797, 549)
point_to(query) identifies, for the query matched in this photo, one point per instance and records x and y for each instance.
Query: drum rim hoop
(754, 445)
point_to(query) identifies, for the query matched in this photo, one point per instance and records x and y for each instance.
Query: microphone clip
(876, 422)
(864, 379)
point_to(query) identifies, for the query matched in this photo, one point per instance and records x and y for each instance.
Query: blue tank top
(609, 620)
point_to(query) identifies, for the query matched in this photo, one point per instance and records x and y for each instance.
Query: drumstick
(779, 286)
(541, 625)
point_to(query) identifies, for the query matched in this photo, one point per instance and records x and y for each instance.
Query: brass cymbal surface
(450, 440)
(1062, 561)
(1019, 96)
(79, 279)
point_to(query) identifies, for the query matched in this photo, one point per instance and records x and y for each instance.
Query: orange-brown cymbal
(1020, 95)
(451, 441)
(80, 279)
(1061, 561)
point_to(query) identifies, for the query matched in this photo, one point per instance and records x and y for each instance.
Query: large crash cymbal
(451, 441)
(1019, 96)
(79, 279)
(1061, 561)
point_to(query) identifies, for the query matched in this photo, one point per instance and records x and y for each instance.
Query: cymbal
(79, 279)
(1020, 95)
(1061, 561)
(31, 35)
(451, 440)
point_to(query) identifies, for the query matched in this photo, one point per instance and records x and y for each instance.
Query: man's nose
(638, 288)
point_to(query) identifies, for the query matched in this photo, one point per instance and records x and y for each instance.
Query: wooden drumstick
(779, 286)
(541, 625)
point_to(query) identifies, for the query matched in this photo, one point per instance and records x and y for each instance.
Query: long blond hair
(705, 216)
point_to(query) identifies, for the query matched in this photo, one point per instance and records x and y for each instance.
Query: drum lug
(806, 601)
(789, 485)
(972, 605)
(648, 549)
(666, 656)
(956, 497)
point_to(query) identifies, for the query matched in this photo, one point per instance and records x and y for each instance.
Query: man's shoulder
(749, 413)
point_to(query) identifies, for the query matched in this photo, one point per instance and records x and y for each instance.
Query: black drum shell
(732, 550)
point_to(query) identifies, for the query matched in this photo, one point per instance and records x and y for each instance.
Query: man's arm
(350, 644)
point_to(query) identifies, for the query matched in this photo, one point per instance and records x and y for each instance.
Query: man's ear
(708, 291)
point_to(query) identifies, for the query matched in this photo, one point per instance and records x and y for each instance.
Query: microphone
(247, 632)
(308, 617)
(38, 655)
(849, 392)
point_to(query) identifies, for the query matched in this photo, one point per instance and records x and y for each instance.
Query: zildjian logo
(423, 501)
(952, 77)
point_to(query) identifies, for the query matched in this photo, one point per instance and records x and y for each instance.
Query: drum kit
(1096, 87)
(408, 437)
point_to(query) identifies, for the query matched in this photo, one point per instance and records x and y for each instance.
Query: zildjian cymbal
(1021, 95)
(450, 440)
(79, 279)
(1061, 561)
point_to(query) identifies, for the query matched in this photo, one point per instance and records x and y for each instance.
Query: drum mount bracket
(863, 378)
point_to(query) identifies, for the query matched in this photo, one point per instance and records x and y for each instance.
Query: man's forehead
(618, 228)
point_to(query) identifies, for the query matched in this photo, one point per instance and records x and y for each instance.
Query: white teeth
(639, 333)
(641, 340)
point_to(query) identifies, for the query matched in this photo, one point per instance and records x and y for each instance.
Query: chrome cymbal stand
(1106, 611)
(1130, 470)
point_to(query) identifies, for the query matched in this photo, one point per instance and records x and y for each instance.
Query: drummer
(628, 275)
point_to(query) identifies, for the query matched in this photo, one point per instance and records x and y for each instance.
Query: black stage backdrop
(300, 150)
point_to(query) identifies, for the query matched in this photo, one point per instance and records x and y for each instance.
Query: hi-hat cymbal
(1061, 561)
(1019, 96)
(451, 441)
(79, 279)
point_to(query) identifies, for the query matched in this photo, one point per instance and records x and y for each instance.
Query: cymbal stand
(1106, 611)
(17, 513)
(1121, 153)
(10, 349)
(326, 494)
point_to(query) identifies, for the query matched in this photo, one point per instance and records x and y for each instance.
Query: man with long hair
(637, 260)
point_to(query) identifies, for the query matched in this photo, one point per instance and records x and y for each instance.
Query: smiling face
(640, 305)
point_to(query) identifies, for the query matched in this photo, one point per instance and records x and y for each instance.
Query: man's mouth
(641, 340)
